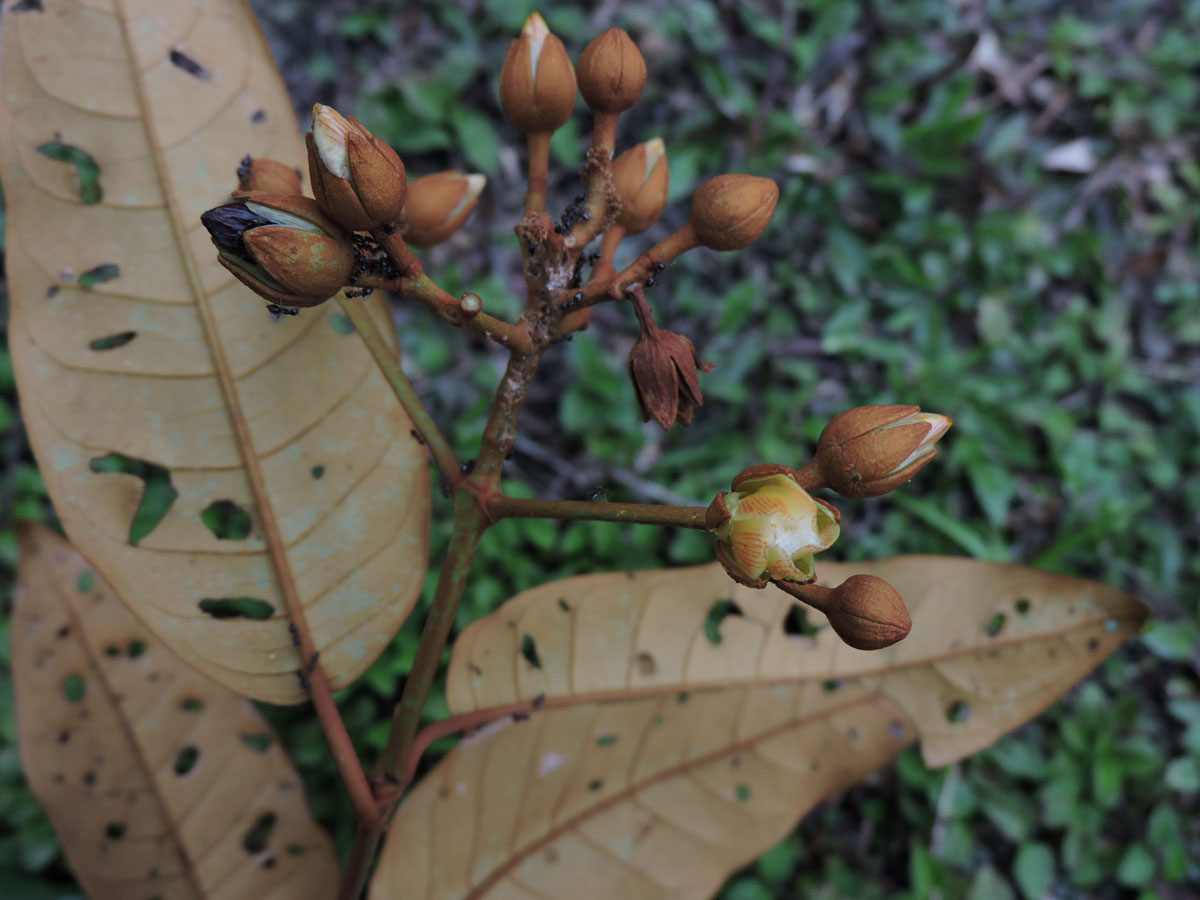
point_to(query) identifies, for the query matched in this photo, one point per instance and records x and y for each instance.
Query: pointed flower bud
(438, 205)
(267, 176)
(865, 611)
(870, 450)
(281, 247)
(537, 80)
(357, 178)
(611, 73)
(641, 179)
(731, 211)
(770, 529)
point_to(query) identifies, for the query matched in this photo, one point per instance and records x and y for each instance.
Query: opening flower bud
(771, 529)
(537, 80)
(871, 450)
(612, 73)
(730, 212)
(282, 247)
(357, 179)
(267, 176)
(438, 205)
(641, 179)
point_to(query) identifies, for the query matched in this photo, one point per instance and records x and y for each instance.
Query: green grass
(922, 252)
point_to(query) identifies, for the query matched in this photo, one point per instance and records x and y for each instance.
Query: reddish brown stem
(539, 169)
(646, 514)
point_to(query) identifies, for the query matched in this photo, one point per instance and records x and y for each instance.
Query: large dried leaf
(159, 782)
(129, 338)
(679, 736)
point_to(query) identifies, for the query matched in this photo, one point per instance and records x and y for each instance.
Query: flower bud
(731, 211)
(641, 178)
(281, 247)
(870, 450)
(771, 529)
(865, 611)
(611, 73)
(537, 80)
(438, 205)
(267, 176)
(357, 178)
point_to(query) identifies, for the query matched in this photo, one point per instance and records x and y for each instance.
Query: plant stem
(469, 525)
(539, 169)
(414, 283)
(641, 513)
(385, 359)
(600, 289)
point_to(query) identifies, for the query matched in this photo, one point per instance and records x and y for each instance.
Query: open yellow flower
(770, 529)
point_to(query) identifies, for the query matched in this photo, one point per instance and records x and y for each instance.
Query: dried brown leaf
(159, 782)
(687, 722)
(158, 354)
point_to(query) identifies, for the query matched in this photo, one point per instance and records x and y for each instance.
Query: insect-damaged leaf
(659, 761)
(140, 761)
(130, 341)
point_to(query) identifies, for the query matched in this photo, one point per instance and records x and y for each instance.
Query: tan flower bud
(870, 450)
(641, 179)
(358, 179)
(865, 611)
(731, 211)
(771, 529)
(611, 73)
(282, 247)
(438, 205)
(537, 80)
(267, 176)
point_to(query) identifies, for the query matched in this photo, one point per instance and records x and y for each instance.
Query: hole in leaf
(595, 784)
(1093, 645)
(645, 664)
(529, 651)
(341, 324)
(64, 631)
(113, 341)
(269, 862)
(1022, 605)
(186, 760)
(256, 838)
(796, 624)
(717, 613)
(191, 704)
(742, 792)
(85, 582)
(112, 650)
(830, 685)
(681, 698)
(85, 165)
(317, 472)
(227, 520)
(114, 830)
(136, 649)
(64, 736)
(73, 688)
(996, 624)
(958, 711)
(257, 742)
(89, 778)
(237, 608)
(157, 496)
(98, 275)
(181, 60)
(258, 116)
(27, 6)
(564, 605)
(606, 740)
(296, 850)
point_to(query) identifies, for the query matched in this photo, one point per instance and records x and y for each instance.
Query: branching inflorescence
(355, 237)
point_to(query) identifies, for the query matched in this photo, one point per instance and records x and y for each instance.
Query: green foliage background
(988, 209)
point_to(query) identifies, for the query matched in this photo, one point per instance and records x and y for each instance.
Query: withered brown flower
(664, 367)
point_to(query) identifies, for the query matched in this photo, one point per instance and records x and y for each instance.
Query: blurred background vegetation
(988, 209)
